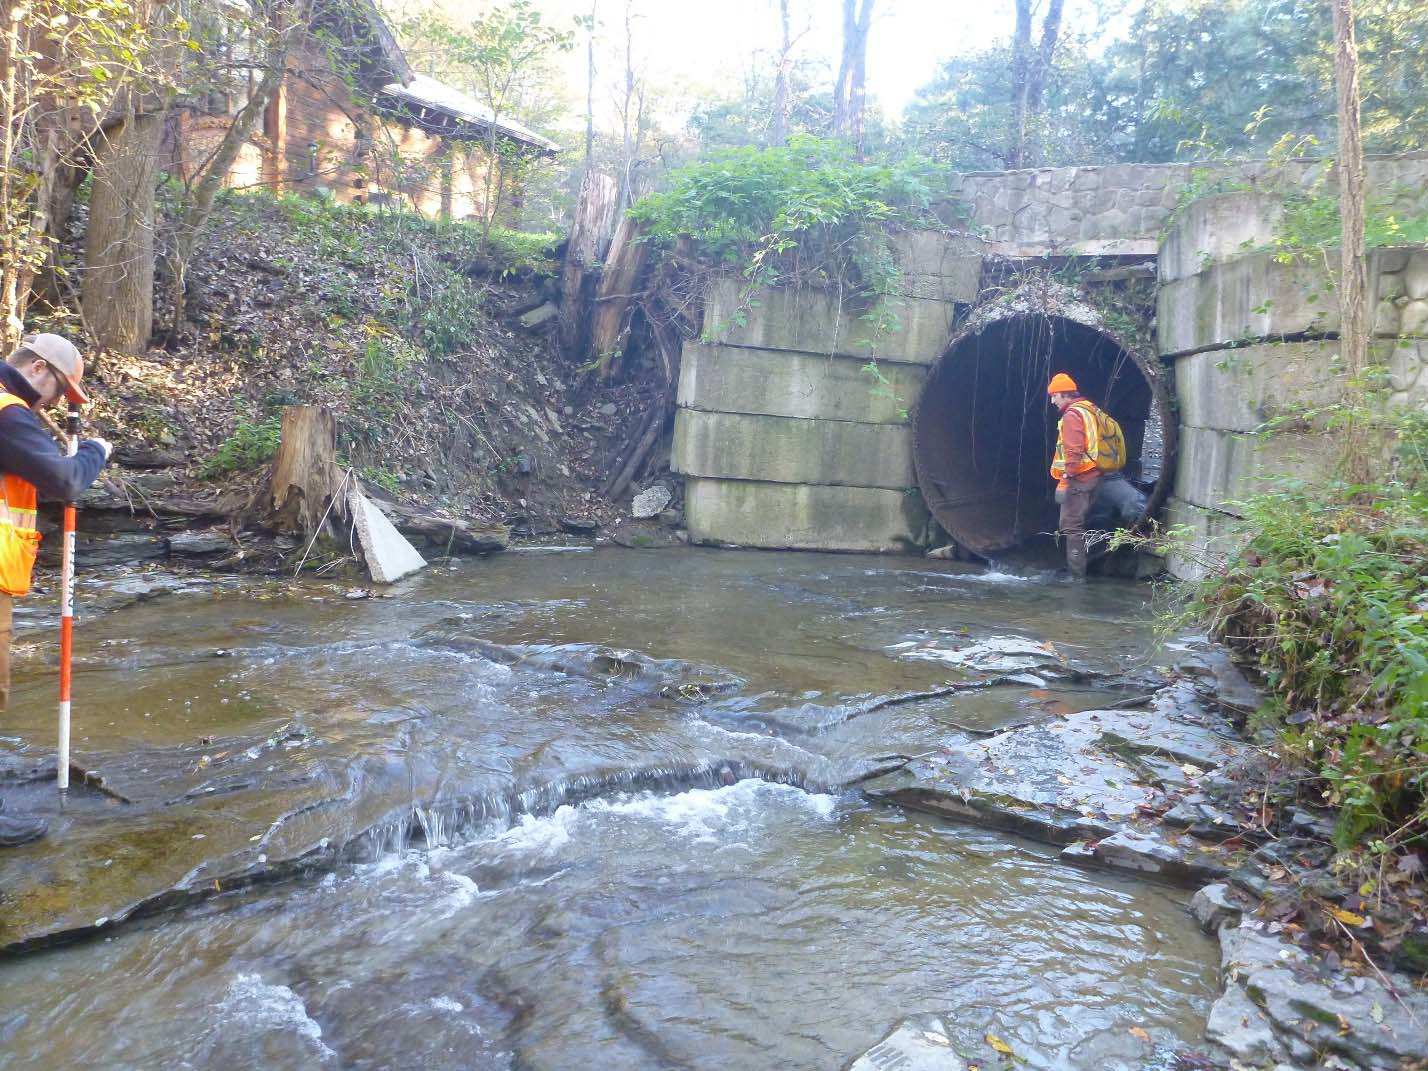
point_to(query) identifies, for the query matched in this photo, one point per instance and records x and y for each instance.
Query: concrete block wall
(784, 439)
(1247, 336)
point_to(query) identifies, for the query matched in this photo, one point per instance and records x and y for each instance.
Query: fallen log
(443, 532)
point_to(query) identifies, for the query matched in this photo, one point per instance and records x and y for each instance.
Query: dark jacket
(30, 452)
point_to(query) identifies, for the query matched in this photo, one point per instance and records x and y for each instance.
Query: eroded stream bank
(579, 807)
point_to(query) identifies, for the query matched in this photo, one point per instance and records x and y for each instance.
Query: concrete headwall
(1254, 347)
(784, 436)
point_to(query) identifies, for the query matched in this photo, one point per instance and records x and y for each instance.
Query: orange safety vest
(1105, 451)
(19, 537)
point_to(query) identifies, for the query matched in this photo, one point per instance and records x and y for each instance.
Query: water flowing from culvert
(552, 811)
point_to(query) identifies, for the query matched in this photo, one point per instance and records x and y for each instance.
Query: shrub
(1330, 598)
(250, 445)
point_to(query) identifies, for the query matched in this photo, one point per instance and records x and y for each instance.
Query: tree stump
(615, 299)
(590, 233)
(305, 476)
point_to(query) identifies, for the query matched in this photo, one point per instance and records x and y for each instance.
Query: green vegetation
(1310, 224)
(1329, 596)
(249, 446)
(809, 211)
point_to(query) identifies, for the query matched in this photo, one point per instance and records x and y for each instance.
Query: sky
(700, 45)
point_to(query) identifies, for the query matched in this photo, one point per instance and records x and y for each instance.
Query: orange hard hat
(1061, 383)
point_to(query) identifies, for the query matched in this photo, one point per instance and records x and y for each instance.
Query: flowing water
(563, 810)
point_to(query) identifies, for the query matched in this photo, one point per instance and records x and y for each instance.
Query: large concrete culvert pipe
(984, 432)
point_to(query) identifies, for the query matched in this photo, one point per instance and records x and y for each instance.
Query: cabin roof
(443, 109)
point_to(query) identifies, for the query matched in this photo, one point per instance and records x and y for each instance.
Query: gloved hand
(104, 445)
(1061, 494)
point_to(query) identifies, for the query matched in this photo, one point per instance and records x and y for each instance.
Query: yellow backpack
(1109, 447)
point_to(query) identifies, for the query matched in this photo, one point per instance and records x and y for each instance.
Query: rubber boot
(1076, 555)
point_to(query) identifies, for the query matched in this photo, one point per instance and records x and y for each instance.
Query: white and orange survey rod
(67, 609)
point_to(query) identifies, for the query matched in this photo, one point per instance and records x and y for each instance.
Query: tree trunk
(1036, 81)
(1021, 70)
(305, 476)
(589, 238)
(117, 289)
(198, 204)
(1353, 271)
(590, 88)
(614, 302)
(848, 91)
(778, 130)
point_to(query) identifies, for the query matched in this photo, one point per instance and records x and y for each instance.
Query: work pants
(1080, 493)
(7, 606)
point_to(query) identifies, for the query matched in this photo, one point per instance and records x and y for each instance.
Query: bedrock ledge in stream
(1286, 1009)
(1097, 781)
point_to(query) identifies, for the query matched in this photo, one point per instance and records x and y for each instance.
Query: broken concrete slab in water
(1078, 781)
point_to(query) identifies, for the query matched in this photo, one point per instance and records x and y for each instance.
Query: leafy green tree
(504, 58)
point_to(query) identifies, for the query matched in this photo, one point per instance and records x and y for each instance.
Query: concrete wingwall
(785, 436)
(1253, 341)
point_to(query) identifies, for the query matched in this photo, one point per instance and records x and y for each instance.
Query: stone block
(802, 517)
(1216, 469)
(739, 446)
(1413, 318)
(388, 555)
(729, 379)
(1217, 228)
(1415, 276)
(1210, 537)
(1248, 298)
(955, 257)
(1239, 389)
(817, 321)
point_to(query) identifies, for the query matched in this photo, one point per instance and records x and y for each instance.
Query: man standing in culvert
(44, 369)
(1090, 454)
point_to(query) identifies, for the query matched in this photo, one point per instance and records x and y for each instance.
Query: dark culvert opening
(984, 431)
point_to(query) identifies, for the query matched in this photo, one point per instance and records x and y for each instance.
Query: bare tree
(276, 24)
(590, 85)
(849, 91)
(1029, 74)
(1353, 270)
(630, 103)
(778, 130)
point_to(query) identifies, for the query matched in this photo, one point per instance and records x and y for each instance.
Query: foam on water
(706, 813)
(264, 1006)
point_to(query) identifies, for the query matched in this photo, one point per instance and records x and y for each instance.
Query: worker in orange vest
(44, 369)
(1090, 454)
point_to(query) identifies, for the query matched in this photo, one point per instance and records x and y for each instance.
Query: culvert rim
(1082, 316)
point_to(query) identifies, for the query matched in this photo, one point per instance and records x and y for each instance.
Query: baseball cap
(61, 355)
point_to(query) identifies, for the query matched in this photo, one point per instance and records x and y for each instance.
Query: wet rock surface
(1097, 781)
(1283, 1006)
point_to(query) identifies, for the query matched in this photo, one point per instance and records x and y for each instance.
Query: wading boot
(1076, 556)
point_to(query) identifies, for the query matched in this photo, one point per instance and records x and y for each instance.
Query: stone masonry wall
(1121, 209)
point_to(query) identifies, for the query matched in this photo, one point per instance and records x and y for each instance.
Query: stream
(561, 809)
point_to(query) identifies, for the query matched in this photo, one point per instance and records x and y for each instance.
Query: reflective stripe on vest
(1092, 428)
(17, 511)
